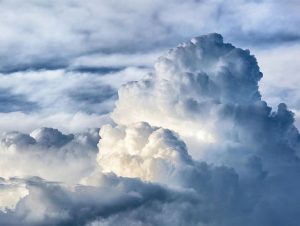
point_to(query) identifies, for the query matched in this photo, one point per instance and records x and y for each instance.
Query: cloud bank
(192, 143)
(34, 37)
(71, 101)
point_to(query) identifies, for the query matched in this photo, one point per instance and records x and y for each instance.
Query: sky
(149, 112)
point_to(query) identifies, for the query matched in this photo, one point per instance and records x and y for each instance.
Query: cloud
(152, 154)
(10, 194)
(49, 154)
(36, 38)
(71, 101)
(207, 92)
(281, 76)
(192, 143)
(54, 204)
(206, 78)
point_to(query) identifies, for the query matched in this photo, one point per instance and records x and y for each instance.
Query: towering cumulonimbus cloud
(206, 91)
(192, 90)
(193, 144)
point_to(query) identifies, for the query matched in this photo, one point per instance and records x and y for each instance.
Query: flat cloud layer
(192, 143)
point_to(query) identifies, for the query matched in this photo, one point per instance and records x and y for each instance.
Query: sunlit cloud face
(10, 195)
(191, 95)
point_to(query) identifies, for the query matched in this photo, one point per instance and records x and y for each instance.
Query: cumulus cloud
(206, 79)
(192, 143)
(139, 150)
(207, 92)
(49, 154)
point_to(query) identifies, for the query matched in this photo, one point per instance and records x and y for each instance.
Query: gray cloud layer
(37, 35)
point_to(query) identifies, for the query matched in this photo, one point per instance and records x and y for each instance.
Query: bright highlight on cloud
(142, 151)
(192, 143)
(195, 90)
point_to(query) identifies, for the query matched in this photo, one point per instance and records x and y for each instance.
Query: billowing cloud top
(193, 143)
(197, 90)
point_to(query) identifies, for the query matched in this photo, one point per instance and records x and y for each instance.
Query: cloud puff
(192, 144)
(49, 154)
(139, 150)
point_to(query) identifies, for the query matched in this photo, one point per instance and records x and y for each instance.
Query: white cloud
(68, 100)
(91, 35)
(69, 123)
(10, 194)
(141, 151)
(191, 89)
(229, 160)
(49, 154)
